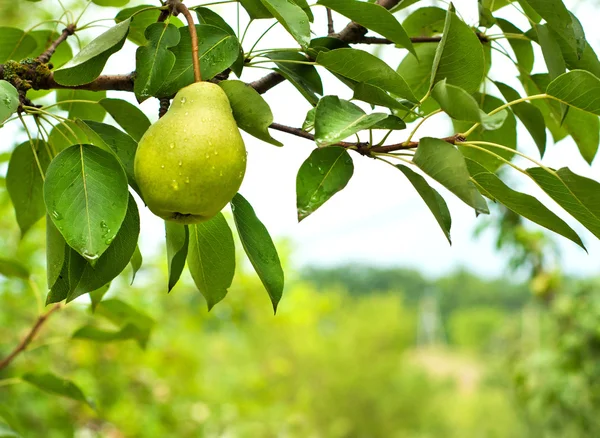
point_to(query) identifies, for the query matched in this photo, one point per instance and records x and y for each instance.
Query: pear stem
(180, 7)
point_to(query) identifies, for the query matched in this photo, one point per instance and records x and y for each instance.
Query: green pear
(191, 162)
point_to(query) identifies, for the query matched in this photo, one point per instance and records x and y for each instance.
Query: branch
(180, 7)
(44, 58)
(267, 82)
(30, 336)
(363, 148)
(330, 28)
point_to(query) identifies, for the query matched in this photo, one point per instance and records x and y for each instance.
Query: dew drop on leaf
(56, 215)
(182, 100)
(89, 255)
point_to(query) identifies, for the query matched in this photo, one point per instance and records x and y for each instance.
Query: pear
(191, 162)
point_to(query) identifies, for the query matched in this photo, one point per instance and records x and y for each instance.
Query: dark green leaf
(520, 203)
(578, 195)
(68, 278)
(256, 9)
(259, 248)
(425, 22)
(56, 385)
(55, 252)
(251, 112)
(373, 17)
(585, 130)
(551, 50)
(337, 119)
(154, 61)
(113, 3)
(324, 173)
(304, 77)
(522, 48)
(551, 111)
(417, 73)
(459, 58)
(432, 198)
(178, 238)
(211, 258)
(217, 50)
(97, 295)
(128, 116)
(9, 100)
(588, 60)
(115, 258)
(208, 16)
(24, 182)
(529, 115)
(89, 62)
(361, 66)
(445, 164)
(67, 134)
(86, 196)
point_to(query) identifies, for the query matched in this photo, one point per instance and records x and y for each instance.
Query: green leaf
(68, 278)
(65, 134)
(154, 61)
(9, 100)
(97, 295)
(390, 122)
(82, 110)
(217, 51)
(259, 248)
(89, 62)
(115, 259)
(251, 112)
(86, 196)
(445, 164)
(337, 119)
(588, 60)
(55, 252)
(6, 431)
(177, 237)
(43, 39)
(15, 44)
(211, 258)
(459, 58)
(551, 51)
(13, 269)
(529, 115)
(115, 141)
(522, 48)
(523, 205)
(486, 19)
(585, 130)
(578, 195)
(361, 66)
(561, 21)
(134, 324)
(309, 121)
(325, 172)
(208, 16)
(56, 385)
(304, 77)
(256, 9)
(425, 22)
(373, 17)
(292, 17)
(417, 73)
(506, 136)
(136, 262)
(460, 105)
(141, 20)
(128, 116)
(432, 198)
(577, 88)
(24, 182)
(113, 3)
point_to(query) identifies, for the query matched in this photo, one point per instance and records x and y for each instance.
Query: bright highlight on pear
(191, 162)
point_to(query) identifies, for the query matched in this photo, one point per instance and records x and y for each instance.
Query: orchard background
(398, 120)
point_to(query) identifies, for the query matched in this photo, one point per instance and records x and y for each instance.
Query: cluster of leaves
(77, 174)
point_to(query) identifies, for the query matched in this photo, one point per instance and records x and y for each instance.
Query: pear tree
(86, 175)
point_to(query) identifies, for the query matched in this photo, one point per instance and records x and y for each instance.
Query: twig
(44, 58)
(330, 28)
(267, 82)
(180, 7)
(30, 336)
(363, 148)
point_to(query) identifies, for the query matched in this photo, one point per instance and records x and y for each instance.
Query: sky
(378, 219)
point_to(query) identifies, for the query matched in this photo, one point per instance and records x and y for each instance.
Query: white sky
(378, 218)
